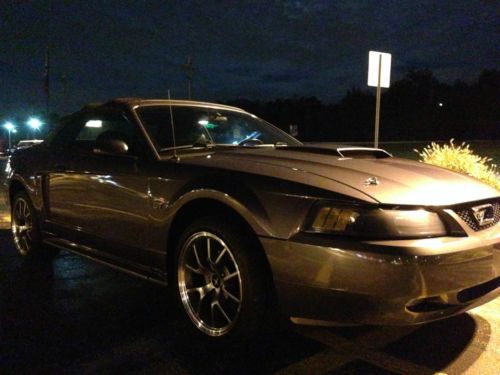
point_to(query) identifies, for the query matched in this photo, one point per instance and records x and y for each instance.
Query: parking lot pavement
(72, 315)
(4, 216)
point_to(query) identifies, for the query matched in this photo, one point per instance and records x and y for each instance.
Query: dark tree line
(416, 107)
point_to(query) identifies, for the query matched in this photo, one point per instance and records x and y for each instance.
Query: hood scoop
(363, 153)
(342, 152)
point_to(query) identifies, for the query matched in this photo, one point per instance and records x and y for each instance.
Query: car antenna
(172, 123)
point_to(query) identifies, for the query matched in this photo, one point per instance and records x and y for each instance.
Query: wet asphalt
(75, 316)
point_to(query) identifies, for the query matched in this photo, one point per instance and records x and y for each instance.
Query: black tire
(26, 230)
(234, 271)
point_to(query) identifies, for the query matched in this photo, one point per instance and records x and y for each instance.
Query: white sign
(374, 60)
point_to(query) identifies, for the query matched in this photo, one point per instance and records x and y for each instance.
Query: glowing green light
(207, 124)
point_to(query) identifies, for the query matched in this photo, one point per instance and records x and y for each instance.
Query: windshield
(199, 126)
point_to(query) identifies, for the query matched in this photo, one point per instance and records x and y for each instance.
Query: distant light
(440, 104)
(93, 124)
(207, 124)
(9, 126)
(14, 130)
(34, 123)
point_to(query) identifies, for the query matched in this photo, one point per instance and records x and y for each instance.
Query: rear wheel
(221, 280)
(25, 228)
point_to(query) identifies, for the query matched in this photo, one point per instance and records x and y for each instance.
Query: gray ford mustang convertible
(242, 219)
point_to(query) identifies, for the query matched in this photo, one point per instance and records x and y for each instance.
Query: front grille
(467, 215)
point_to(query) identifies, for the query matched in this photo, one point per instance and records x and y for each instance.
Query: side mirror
(111, 147)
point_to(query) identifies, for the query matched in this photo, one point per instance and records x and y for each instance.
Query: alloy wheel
(22, 226)
(210, 283)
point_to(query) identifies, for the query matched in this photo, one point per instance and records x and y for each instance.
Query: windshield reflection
(208, 127)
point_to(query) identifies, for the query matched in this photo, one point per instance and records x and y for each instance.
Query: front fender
(271, 207)
(253, 215)
(29, 185)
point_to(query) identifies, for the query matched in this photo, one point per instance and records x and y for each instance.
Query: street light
(9, 126)
(35, 124)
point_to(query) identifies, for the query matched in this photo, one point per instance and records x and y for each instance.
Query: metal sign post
(379, 73)
(377, 105)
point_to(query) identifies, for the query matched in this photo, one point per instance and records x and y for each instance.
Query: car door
(101, 199)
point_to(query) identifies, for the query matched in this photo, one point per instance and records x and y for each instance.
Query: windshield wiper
(164, 149)
(200, 142)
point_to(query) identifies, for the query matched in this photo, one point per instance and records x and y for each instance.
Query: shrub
(461, 159)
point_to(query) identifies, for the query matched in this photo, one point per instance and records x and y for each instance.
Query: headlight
(375, 222)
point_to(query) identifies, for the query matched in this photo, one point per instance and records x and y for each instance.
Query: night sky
(240, 49)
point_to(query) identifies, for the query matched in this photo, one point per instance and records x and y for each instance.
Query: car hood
(393, 180)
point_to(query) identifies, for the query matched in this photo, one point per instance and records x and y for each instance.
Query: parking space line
(4, 219)
(354, 349)
(323, 362)
(382, 336)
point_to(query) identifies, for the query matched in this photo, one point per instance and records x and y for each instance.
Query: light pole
(9, 126)
(379, 75)
(189, 75)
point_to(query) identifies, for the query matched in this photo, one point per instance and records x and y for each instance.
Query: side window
(105, 125)
(64, 134)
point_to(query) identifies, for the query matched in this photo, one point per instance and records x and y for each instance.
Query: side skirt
(153, 275)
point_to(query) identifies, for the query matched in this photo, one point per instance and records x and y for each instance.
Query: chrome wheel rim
(22, 226)
(209, 283)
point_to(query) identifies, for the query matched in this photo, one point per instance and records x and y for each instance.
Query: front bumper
(322, 280)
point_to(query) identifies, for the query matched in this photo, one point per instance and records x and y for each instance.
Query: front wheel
(221, 280)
